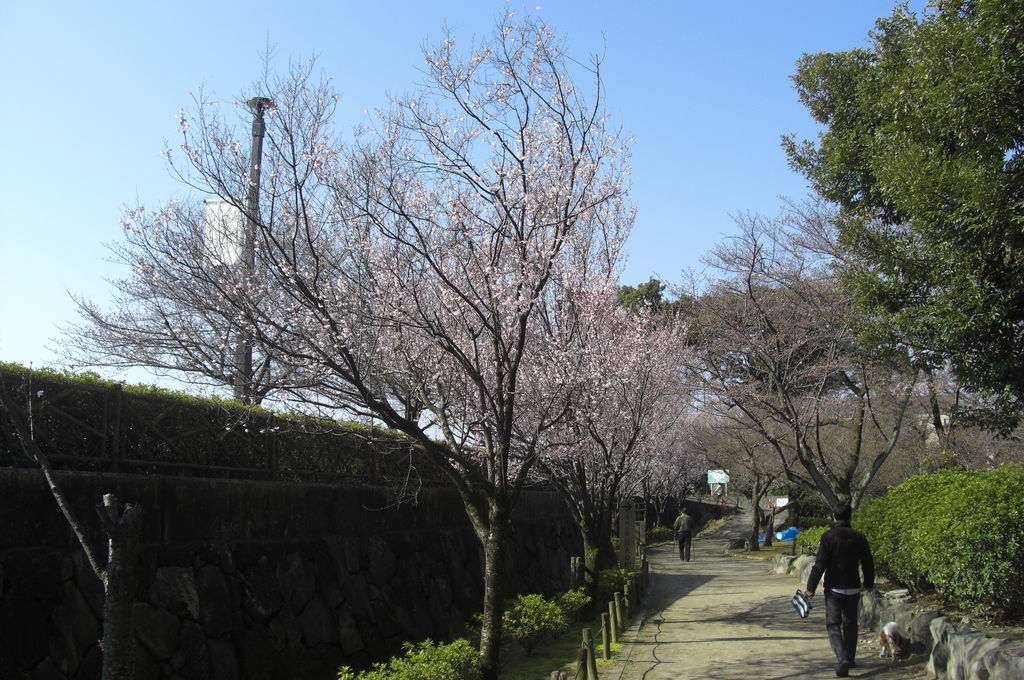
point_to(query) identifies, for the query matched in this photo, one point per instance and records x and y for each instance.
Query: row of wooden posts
(613, 623)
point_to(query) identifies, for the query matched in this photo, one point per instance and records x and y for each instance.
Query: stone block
(348, 632)
(215, 601)
(75, 629)
(156, 629)
(919, 629)
(261, 596)
(966, 649)
(297, 579)
(223, 660)
(338, 558)
(382, 561)
(317, 624)
(195, 653)
(782, 563)
(802, 566)
(47, 670)
(938, 659)
(1005, 662)
(357, 596)
(174, 589)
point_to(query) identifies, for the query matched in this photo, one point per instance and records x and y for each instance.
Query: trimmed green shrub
(531, 619)
(659, 534)
(611, 581)
(572, 601)
(960, 533)
(424, 661)
(807, 540)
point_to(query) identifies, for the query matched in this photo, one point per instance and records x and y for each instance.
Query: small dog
(894, 641)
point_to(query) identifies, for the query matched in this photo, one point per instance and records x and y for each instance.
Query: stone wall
(255, 580)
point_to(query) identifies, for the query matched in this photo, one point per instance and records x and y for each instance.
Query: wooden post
(606, 641)
(620, 622)
(612, 622)
(588, 644)
(627, 596)
(581, 662)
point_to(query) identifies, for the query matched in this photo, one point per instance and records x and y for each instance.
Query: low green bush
(572, 601)
(610, 581)
(807, 540)
(959, 533)
(427, 660)
(659, 534)
(530, 619)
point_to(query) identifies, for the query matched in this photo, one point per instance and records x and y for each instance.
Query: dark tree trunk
(598, 552)
(769, 528)
(755, 528)
(123, 525)
(494, 595)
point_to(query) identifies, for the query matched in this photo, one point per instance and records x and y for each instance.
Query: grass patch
(777, 548)
(555, 655)
(712, 526)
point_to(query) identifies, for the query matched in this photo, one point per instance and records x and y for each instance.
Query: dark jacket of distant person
(841, 551)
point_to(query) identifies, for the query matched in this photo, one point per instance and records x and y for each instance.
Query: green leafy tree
(645, 293)
(921, 149)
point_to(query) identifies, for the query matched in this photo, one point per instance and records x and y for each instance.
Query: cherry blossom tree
(625, 368)
(415, 276)
(678, 463)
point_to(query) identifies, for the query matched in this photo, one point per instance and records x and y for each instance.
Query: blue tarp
(787, 534)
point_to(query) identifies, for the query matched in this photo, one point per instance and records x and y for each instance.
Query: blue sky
(91, 91)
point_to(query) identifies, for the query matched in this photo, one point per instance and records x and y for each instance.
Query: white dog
(894, 641)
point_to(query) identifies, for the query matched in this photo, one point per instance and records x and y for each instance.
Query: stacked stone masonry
(245, 580)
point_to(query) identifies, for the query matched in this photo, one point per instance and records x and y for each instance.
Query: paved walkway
(726, 618)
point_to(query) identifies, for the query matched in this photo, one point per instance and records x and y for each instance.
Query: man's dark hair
(843, 512)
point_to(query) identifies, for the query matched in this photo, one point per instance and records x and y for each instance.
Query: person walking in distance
(842, 554)
(682, 529)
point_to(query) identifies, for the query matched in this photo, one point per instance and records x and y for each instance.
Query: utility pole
(243, 391)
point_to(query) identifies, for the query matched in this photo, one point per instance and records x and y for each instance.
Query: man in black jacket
(841, 551)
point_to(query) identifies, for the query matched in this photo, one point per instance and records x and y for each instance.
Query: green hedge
(659, 534)
(958, 533)
(807, 540)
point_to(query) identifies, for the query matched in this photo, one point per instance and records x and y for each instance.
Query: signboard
(223, 234)
(627, 535)
(718, 476)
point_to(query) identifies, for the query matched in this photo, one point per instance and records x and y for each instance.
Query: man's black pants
(841, 624)
(685, 539)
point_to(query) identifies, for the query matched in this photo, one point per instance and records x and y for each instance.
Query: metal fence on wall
(103, 427)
